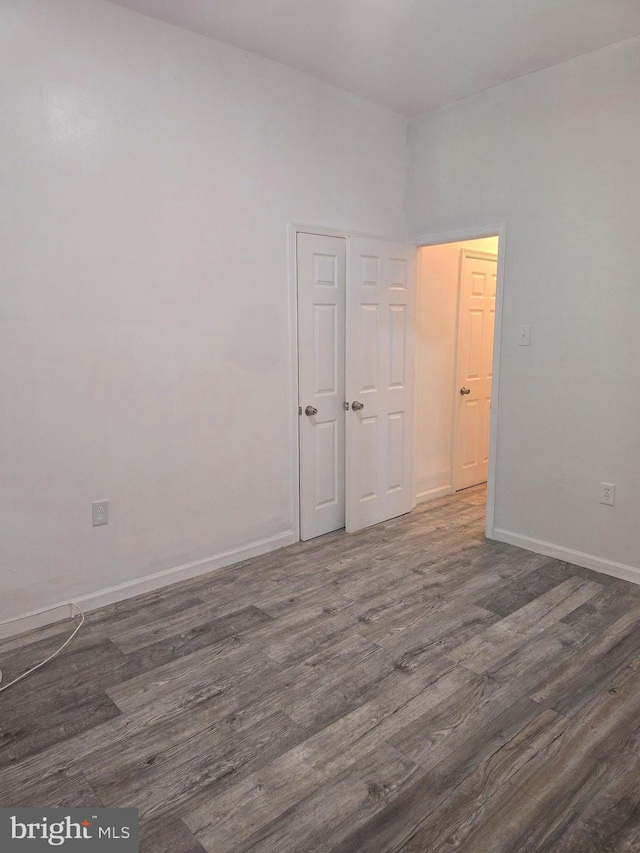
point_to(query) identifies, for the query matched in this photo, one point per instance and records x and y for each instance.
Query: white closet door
(380, 324)
(321, 348)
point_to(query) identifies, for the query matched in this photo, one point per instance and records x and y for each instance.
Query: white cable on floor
(51, 657)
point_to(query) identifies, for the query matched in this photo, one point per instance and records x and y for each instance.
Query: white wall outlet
(524, 336)
(100, 513)
(607, 494)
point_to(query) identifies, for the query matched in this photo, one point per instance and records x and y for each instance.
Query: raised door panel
(368, 428)
(368, 364)
(327, 351)
(326, 460)
(471, 350)
(397, 346)
(395, 456)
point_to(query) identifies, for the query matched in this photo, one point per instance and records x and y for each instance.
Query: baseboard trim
(432, 487)
(432, 494)
(578, 558)
(129, 589)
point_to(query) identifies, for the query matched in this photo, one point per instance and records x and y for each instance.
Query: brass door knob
(464, 391)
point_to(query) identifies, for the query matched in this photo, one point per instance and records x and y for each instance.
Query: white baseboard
(432, 494)
(149, 583)
(578, 558)
(432, 487)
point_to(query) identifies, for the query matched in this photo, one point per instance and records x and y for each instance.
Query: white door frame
(465, 253)
(293, 229)
(496, 230)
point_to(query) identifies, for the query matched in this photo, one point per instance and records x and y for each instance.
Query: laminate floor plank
(264, 796)
(410, 687)
(442, 730)
(107, 623)
(296, 687)
(600, 612)
(411, 812)
(332, 811)
(202, 676)
(519, 592)
(195, 770)
(504, 562)
(588, 672)
(168, 835)
(415, 647)
(494, 644)
(193, 639)
(451, 823)
(70, 791)
(20, 737)
(339, 695)
(566, 790)
(86, 665)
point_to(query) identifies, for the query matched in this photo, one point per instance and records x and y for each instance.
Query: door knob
(356, 406)
(310, 411)
(464, 391)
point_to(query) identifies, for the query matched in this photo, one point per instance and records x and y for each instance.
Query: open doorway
(455, 323)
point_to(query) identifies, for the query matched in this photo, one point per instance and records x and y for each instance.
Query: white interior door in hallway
(321, 265)
(380, 380)
(478, 279)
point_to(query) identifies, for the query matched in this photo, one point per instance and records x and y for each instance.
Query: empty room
(320, 432)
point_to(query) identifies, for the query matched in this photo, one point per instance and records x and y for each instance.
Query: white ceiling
(409, 55)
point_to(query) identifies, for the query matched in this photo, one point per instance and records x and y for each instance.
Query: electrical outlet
(100, 513)
(607, 494)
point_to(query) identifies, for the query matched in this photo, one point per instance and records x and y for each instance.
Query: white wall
(436, 339)
(555, 155)
(148, 175)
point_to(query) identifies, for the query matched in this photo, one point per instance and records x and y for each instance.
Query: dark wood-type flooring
(413, 687)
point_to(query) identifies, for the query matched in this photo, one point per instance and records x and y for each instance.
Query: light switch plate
(524, 336)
